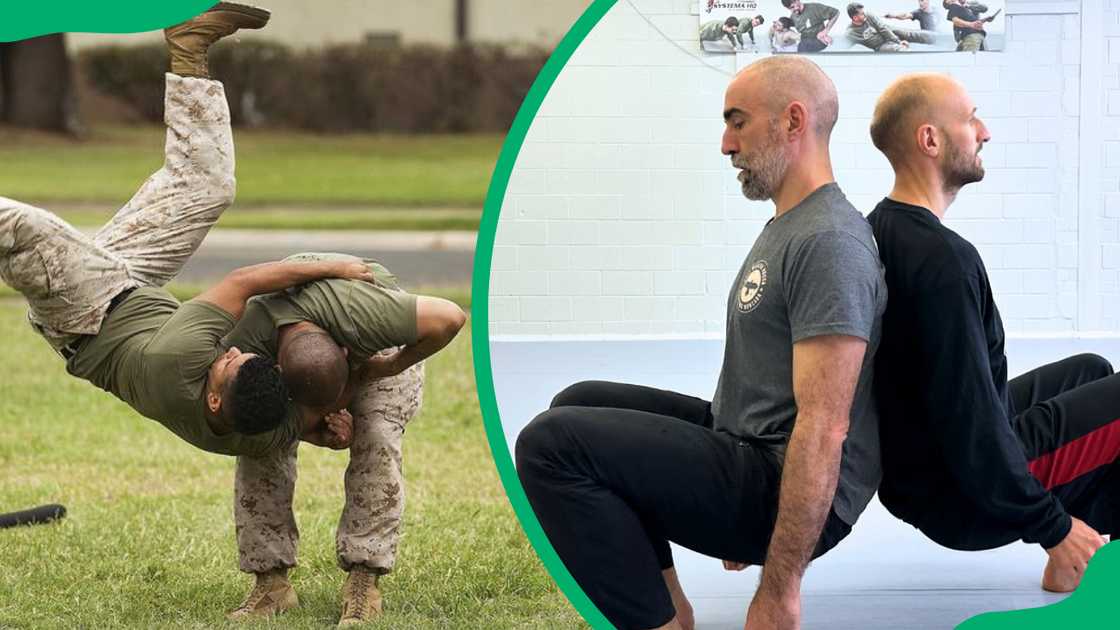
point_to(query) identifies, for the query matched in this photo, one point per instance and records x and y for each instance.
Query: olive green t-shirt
(154, 354)
(812, 19)
(363, 317)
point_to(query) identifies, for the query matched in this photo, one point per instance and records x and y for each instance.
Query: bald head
(314, 367)
(911, 101)
(774, 82)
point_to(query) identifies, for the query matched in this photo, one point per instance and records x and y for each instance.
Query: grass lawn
(403, 177)
(149, 540)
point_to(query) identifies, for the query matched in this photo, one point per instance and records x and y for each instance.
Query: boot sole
(254, 12)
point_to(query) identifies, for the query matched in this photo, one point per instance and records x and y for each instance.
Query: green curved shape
(480, 287)
(1091, 607)
(31, 18)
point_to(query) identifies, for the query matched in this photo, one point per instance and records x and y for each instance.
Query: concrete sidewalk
(417, 258)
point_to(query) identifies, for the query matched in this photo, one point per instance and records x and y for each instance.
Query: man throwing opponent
(99, 301)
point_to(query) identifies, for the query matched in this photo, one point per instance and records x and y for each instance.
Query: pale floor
(883, 575)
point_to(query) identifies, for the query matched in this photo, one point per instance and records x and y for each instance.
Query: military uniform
(70, 279)
(875, 34)
(810, 22)
(366, 319)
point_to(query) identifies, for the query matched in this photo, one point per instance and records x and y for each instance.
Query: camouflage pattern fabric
(69, 278)
(369, 529)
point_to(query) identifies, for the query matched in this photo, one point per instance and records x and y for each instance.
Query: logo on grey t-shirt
(750, 294)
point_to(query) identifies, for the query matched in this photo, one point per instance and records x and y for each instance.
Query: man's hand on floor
(774, 612)
(1070, 557)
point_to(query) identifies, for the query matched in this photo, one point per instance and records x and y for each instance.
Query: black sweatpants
(614, 472)
(1067, 415)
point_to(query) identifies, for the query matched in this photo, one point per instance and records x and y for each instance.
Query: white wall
(622, 217)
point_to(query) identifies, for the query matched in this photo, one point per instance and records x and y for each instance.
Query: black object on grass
(34, 516)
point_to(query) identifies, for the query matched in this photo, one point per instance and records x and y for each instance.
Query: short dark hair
(257, 399)
(731, 21)
(854, 9)
(314, 368)
(787, 3)
(761, 20)
(786, 22)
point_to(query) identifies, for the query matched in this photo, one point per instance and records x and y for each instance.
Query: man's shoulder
(835, 214)
(917, 249)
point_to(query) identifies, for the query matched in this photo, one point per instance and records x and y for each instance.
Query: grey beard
(759, 180)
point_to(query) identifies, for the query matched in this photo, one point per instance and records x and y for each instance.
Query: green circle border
(480, 289)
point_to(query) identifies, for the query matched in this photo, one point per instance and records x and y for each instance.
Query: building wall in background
(623, 218)
(303, 23)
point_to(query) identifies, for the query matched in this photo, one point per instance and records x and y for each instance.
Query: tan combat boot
(361, 601)
(189, 41)
(272, 594)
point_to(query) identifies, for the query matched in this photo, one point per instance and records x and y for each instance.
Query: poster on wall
(866, 26)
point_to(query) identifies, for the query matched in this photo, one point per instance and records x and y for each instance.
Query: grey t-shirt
(926, 19)
(813, 271)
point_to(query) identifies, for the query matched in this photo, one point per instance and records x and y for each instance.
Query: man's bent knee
(541, 442)
(1094, 364)
(582, 394)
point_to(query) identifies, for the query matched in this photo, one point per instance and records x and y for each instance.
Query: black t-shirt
(952, 464)
(965, 13)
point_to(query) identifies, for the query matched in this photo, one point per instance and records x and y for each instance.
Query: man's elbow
(453, 321)
(443, 319)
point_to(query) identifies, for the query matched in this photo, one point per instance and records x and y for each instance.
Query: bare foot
(1057, 580)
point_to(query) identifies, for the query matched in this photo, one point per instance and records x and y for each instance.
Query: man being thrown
(972, 460)
(303, 329)
(99, 303)
(868, 29)
(779, 465)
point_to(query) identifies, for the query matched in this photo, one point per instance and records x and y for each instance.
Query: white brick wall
(623, 218)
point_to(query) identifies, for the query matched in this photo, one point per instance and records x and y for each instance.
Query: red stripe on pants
(1085, 454)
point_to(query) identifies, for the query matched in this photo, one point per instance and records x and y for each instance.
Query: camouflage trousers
(914, 37)
(369, 529)
(972, 42)
(69, 278)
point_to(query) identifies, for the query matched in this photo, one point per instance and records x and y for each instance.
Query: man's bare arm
(825, 34)
(241, 284)
(959, 23)
(437, 323)
(825, 372)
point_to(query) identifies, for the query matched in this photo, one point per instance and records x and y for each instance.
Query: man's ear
(214, 402)
(929, 140)
(798, 119)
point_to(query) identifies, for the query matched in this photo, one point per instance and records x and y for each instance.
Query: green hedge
(348, 87)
